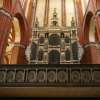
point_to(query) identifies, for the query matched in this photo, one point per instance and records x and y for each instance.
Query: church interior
(49, 31)
(37, 33)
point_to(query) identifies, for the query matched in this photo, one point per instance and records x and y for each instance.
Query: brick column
(18, 54)
(25, 5)
(91, 54)
(5, 26)
(79, 17)
(30, 13)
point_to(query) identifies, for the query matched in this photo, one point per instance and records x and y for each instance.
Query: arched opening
(62, 35)
(92, 31)
(14, 37)
(89, 28)
(90, 39)
(54, 57)
(17, 30)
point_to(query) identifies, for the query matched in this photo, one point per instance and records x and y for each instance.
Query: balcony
(63, 79)
(50, 75)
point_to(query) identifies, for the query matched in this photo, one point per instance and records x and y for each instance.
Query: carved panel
(75, 76)
(2, 76)
(20, 76)
(62, 76)
(10, 76)
(50, 75)
(31, 77)
(41, 76)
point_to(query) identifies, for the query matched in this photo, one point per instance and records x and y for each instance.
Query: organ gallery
(42, 40)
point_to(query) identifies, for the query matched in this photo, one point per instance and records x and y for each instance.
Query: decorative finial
(36, 23)
(55, 13)
(72, 22)
(55, 18)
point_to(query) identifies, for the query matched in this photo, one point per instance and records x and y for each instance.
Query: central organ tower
(55, 37)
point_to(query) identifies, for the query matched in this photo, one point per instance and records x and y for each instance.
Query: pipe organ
(54, 34)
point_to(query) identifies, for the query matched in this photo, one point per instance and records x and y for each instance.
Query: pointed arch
(89, 28)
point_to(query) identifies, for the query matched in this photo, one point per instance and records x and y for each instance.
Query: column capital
(6, 13)
(92, 44)
(19, 45)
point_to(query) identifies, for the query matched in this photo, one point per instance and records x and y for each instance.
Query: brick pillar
(25, 5)
(18, 54)
(7, 4)
(97, 21)
(79, 17)
(5, 26)
(91, 54)
(30, 13)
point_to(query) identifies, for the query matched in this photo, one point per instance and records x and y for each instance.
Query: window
(46, 35)
(62, 35)
(54, 40)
